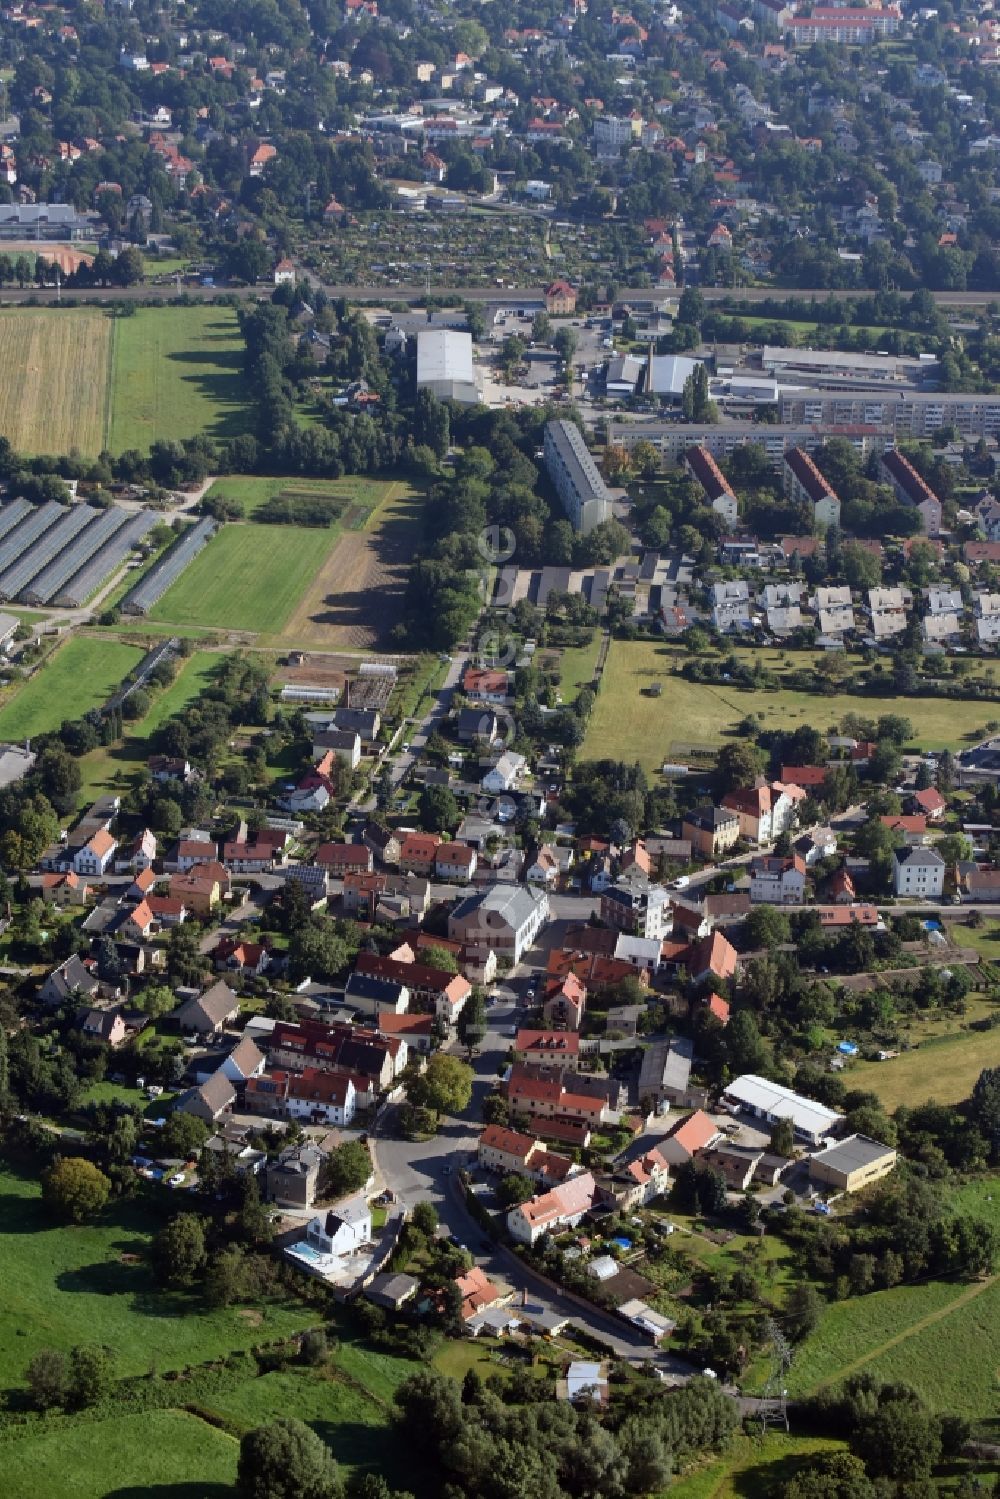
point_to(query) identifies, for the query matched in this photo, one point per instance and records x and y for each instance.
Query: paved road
(419, 1171)
(418, 734)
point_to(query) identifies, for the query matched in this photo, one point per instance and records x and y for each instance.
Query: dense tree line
(487, 1447)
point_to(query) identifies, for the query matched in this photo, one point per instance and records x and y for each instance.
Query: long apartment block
(914, 414)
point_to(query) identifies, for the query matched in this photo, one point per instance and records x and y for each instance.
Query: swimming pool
(305, 1251)
(622, 1243)
(932, 926)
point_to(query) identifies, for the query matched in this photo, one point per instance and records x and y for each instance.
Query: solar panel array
(151, 588)
(58, 552)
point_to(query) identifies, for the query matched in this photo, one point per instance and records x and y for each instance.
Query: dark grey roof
(850, 1154)
(212, 1007)
(477, 721)
(567, 439)
(367, 986)
(918, 856)
(710, 817)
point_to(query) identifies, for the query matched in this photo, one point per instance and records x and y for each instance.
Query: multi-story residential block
(641, 912)
(503, 919)
(718, 492)
(584, 494)
(712, 831)
(805, 484)
(911, 489)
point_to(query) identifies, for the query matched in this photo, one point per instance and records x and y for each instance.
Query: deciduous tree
(179, 1250)
(74, 1189)
(286, 1460)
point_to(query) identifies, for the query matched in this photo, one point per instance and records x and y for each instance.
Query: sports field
(79, 675)
(249, 577)
(55, 365)
(628, 725)
(176, 372)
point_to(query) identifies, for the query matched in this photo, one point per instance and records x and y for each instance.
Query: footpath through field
(962, 1299)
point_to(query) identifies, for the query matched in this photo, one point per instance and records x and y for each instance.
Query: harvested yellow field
(55, 363)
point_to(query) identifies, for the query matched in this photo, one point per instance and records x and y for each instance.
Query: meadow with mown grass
(88, 379)
(102, 768)
(629, 723)
(93, 1284)
(940, 1336)
(81, 673)
(176, 372)
(943, 1068)
(157, 1452)
(249, 577)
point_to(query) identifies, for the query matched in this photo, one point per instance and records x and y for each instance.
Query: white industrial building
(445, 365)
(667, 374)
(771, 1102)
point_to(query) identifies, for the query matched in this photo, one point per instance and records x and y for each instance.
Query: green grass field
(944, 1069)
(348, 1418)
(249, 577)
(176, 372)
(79, 675)
(576, 668)
(64, 1286)
(103, 767)
(162, 1452)
(196, 673)
(626, 725)
(752, 1469)
(942, 1337)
